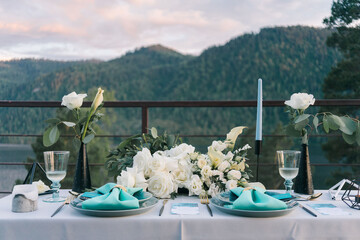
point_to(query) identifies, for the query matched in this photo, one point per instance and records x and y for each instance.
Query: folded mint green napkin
(113, 199)
(254, 200)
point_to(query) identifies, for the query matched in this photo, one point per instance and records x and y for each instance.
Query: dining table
(72, 224)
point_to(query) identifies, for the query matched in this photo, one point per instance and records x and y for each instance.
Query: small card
(328, 209)
(185, 208)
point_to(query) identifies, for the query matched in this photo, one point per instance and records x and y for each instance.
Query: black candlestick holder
(352, 201)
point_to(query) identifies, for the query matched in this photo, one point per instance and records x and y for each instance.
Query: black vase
(82, 178)
(303, 181)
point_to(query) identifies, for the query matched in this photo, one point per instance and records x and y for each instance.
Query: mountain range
(288, 59)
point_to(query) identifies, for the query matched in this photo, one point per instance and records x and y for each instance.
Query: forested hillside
(288, 59)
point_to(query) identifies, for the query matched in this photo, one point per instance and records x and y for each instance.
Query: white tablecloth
(69, 224)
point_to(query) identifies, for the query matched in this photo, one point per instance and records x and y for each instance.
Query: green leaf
(326, 124)
(69, 124)
(300, 125)
(154, 132)
(53, 120)
(46, 139)
(350, 139)
(291, 131)
(301, 117)
(170, 140)
(316, 123)
(54, 134)
(88, 138)
(334, 122)
(349, 126)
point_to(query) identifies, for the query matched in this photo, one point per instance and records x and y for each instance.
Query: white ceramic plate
(219, 204)
(144, 207)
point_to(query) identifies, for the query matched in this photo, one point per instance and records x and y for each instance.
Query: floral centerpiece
(162, 169)
(301, 125)
(83, 133)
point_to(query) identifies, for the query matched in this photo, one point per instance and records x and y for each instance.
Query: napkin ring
(119, 186)
(249, 188)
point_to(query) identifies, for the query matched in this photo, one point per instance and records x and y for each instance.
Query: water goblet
(288, 162)
(55, 167)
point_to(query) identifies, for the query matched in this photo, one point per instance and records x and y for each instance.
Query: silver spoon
(309, 198)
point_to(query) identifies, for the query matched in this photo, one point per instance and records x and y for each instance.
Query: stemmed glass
(55, 167)
(288, 162)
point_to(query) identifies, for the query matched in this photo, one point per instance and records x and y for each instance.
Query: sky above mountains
(86, 29)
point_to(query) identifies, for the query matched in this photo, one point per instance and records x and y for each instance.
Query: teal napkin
(254, 200)
(112, 199)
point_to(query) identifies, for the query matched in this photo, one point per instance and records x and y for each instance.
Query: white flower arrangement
(163, 172)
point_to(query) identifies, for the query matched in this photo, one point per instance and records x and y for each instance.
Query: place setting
(257, 202)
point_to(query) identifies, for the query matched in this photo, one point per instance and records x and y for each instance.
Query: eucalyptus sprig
(301, 124)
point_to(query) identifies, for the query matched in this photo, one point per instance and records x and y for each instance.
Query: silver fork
(205, 200)
(67, 201)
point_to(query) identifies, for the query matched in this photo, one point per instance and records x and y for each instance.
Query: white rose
(132, 178)
(193, 156)
(300, 101)
(213, 190)
(157, 162)
(141, 159)
(181, 151)
(219, 145)
(206, 171)
(181, 176)
(229, 156)
(195, 186)
(231, 184)
(41, 187)
(223, 166)
(234, 174)
(73, 100)
(201, 161)
(162, 185)
(218, 173)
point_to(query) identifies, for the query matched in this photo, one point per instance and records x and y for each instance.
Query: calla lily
(97, 100)
(232, 136)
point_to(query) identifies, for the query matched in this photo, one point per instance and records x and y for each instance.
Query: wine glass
(288, 162)
(55, 168)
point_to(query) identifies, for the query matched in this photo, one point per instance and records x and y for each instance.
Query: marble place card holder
(25, 198)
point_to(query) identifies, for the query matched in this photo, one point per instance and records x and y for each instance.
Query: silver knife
(163, 206)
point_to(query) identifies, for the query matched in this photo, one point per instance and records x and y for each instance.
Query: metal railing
(146, 105)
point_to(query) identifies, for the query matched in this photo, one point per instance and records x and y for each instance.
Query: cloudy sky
(105, 29)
